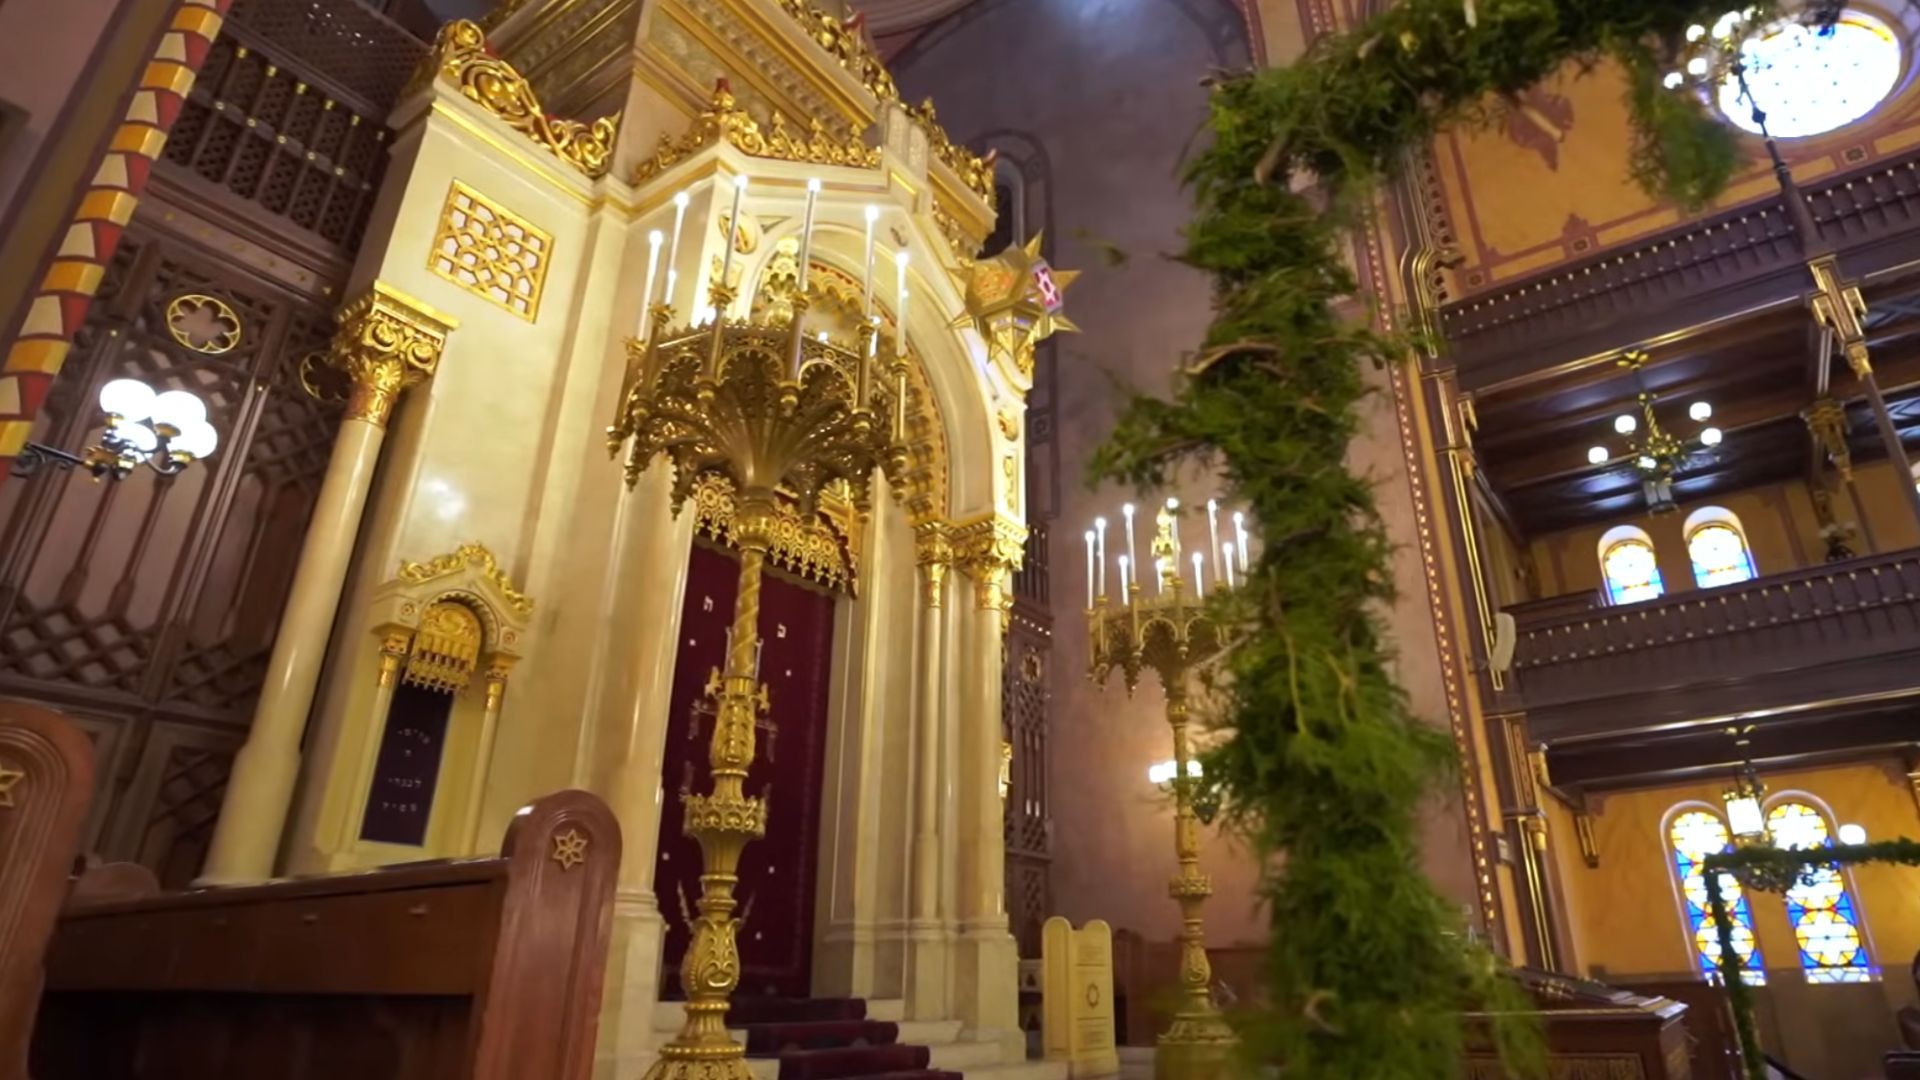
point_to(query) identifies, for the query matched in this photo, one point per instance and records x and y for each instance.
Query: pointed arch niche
(1717, 548)
(1629, 566)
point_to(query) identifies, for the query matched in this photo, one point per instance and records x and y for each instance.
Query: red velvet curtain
(777, 873)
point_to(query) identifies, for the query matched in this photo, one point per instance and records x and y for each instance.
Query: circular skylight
(1809, 82)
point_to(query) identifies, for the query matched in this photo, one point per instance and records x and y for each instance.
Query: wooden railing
(1808, 639)
(1705, 269)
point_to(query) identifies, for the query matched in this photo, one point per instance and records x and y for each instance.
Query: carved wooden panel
(1028, 819)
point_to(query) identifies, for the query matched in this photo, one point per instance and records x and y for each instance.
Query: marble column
(986, 960)
(928, 942)
(386, 343)
(645, 590)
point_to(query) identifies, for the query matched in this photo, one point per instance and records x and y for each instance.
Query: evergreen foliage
(1323, 763)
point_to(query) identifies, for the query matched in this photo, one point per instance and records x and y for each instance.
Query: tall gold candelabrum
(782, 417)
(1170, 632)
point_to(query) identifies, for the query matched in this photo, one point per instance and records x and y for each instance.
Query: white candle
(866, 302)
(1159, 577)
(1100, 537)
(1127, 510)
(900, 304)
(1199, 587)
(1092, 561)
(1213, 536)
(1240, 538)
(733, 229)
(806, 232)
(1126, 591)
(646, 295)
(673, 250)
(1229, 564)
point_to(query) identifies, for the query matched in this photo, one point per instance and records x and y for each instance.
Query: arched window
(1693, 835)
(1717, 546)
(1627, 562)
(1825, 922)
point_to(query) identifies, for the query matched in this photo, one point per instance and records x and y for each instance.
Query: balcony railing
(1815, 639)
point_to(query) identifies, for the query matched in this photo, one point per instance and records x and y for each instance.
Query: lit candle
(900, 304)
(673, 250)
(733, 228)
(866, 302)
(1213, 536)
(806, 232)
(1240, 538)
(1100, 537)
(646, 295)
(1092, 561)
(1229, 564)
(1199, 587)
(1127, 511)
(1126, 590)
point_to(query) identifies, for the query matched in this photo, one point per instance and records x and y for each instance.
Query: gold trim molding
(724, 121)
(460, 55)
(469, 555)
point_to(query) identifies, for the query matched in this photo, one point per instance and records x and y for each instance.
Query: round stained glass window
(1809, 82)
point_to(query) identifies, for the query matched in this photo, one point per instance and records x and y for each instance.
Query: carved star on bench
(9, 779)
(569, 849)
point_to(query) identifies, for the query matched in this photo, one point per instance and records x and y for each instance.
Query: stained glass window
(1632, 572)
(1720, 555)
(1695, 835)
(1819, 907)
(1810, 82)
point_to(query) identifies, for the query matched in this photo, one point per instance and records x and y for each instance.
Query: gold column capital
(394, 646)
(499, 666)
(933, 553)
(989, 548)
(386, 342)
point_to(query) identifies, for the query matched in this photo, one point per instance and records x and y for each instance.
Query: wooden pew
(487, 969)
(46, 780)
(1593, 1030)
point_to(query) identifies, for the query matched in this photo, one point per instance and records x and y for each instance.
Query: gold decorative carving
(989, 549)
(393, 653)
(847, 44)
(569, 849)
(807, 546)
(933, 552)
(10, 779)
(1014, 300)
(1583, 832)
(204, 324)
(724, 121)
(446, 648)
(1827, 420)
(973, 170)
(491, 252)
(386, 342)
(1006, 769)
(460, 54)
(474, 555)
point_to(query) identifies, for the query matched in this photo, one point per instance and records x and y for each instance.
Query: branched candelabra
(781, 415)
(1170, 633)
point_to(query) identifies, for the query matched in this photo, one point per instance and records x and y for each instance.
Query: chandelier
(1655, 452)
(164, 431)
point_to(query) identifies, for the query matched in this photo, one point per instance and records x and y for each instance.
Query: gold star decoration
(1016, 299)
(9, 779)
(569, 849)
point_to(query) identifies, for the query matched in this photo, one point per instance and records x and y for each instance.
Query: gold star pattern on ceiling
(569, 849)
(9, 779)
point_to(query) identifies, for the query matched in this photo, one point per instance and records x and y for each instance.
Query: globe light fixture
(165, 431)
(1852, 835)
(1657, 454)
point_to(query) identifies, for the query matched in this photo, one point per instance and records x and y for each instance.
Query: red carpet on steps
(829, 1039)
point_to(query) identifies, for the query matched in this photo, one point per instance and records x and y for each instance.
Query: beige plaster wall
(45, 47)
(1111, 93)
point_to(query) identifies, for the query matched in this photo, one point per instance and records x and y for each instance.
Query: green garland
(1774, 870)
(1323, 762)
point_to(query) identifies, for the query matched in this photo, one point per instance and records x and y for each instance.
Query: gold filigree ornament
(846, 41)
(460, 54)
(386, 341)
(570, 849)
(808, 546)
(724, 121)
(491, 252)
(204, 324)
(476, 556)
(974, 170)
